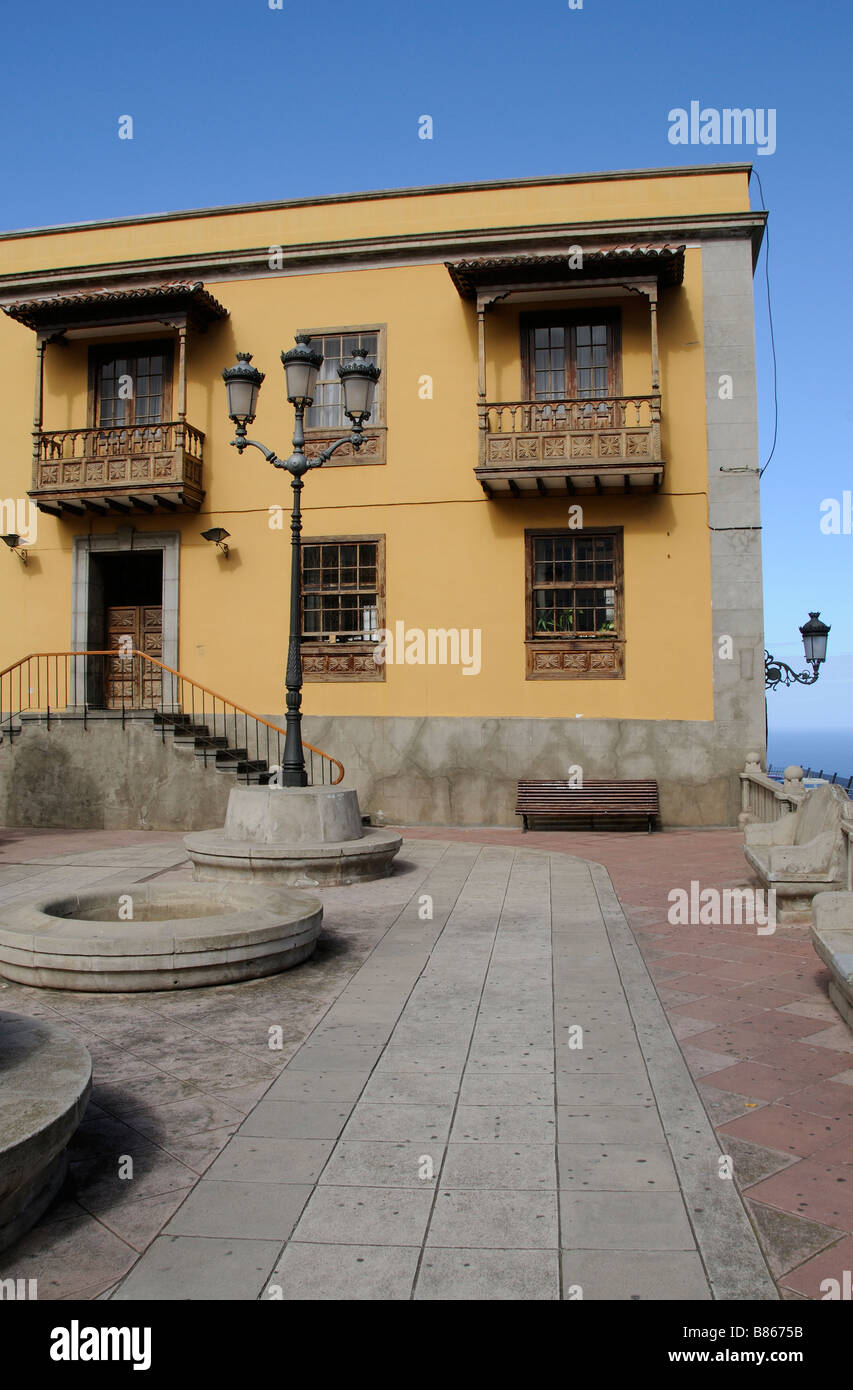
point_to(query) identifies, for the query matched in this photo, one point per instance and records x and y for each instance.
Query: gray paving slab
(367, 1216)
(487, 1165)
(608, 1220)
(271, 1160)
(436, 1136)
(477, 1275)
(645, 1275)
(504, 1124)
(296, 1119)
(358, 1273)
(240, 1210)
(607, 1167)
(614, 1124)
(389, 1163)
(180, 1268)
(293, 1084)
(499, 1220)
(422, 1124)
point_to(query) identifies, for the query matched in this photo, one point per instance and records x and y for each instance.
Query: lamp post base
(291, 778)
(297, 837)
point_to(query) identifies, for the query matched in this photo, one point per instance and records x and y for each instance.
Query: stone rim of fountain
(47, 940)
(47, 1080)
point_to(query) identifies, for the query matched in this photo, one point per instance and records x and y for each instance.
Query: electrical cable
(772, 333)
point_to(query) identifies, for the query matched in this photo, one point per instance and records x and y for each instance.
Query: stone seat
(832, 938)
(802, 853)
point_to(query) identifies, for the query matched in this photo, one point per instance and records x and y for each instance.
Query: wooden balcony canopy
(554, 447)
(156, 466)
(663, 263)
(158, 303)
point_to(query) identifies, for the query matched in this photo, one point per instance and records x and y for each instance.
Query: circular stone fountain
(161, 936)
(45, 1080)
(301, 836)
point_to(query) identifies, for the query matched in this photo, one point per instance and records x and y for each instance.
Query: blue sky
(235, 102)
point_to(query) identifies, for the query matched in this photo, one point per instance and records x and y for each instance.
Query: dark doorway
(126, 616)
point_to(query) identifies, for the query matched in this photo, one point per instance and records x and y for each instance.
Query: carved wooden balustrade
(622, 427)
(553, 445)
(124, 467)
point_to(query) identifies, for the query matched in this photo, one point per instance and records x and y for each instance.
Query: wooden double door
(131, 682)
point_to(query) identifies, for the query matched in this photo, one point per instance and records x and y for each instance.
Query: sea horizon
(827, 750)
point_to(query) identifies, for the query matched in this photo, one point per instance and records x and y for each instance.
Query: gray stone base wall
(106, 778)
(464, 771)
(416, 771)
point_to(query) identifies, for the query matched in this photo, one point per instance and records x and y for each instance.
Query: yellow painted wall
(454, 559)
(592, 200)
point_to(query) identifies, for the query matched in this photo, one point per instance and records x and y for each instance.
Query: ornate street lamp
(242, 383)
(13, 540)
(218, 535)
(814, 634)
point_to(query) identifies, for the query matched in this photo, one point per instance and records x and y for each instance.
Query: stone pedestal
(297, 836)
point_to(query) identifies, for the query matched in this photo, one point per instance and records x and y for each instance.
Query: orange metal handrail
(38, 657)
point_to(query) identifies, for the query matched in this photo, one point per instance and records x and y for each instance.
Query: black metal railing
(127, 683)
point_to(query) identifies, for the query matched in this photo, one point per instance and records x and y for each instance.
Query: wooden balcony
(538, 448)
(126, 468)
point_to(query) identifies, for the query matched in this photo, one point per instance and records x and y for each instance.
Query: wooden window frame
(375, 448)
(350, 661)
(574, 658)
(570, 318)
(104, 352)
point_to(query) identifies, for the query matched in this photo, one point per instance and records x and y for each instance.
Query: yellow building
(550, 538)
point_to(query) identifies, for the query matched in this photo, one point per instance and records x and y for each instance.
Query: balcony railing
(125, 467)
(543, 446)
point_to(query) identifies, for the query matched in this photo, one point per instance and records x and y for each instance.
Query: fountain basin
(147, 937)
(45, 1080)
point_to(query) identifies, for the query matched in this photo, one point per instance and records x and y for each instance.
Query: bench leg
(524, 824)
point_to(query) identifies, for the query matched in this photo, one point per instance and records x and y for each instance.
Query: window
(327, 412)
(132, 384)
(572, 357)
(574, 603)
(343, 606)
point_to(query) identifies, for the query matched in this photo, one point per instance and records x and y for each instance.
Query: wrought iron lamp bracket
(780, 673)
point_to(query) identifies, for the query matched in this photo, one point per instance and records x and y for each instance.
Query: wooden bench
(560, 800)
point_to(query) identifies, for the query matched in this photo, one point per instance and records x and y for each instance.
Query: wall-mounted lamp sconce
(13, 540)
(219, 536)
(814, 634)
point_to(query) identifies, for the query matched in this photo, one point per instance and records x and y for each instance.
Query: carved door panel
(132, 683)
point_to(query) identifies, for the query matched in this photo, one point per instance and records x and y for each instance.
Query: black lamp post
(814, 634)
(242, 383)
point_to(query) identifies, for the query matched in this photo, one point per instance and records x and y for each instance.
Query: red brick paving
(789, 1130)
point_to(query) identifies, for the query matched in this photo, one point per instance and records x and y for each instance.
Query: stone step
(228, 758)
(210, 744)
(190, 734)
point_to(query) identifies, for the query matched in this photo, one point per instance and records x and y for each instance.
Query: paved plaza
(503, 1075)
